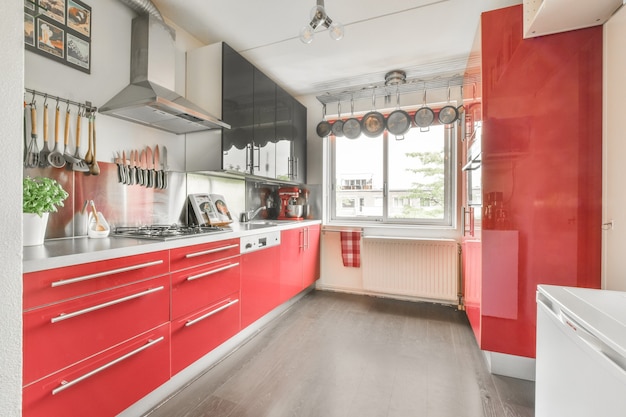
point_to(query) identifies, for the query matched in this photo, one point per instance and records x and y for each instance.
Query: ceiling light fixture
(320, 18)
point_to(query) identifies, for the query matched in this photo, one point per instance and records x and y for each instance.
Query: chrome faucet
(249, 215)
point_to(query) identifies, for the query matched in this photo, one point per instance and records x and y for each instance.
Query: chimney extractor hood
(150, 98)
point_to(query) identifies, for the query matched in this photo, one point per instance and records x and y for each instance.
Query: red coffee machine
(289, 207)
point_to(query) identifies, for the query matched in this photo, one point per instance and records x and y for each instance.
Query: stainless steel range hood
(150, 98)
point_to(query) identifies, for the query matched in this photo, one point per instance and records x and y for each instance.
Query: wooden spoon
(89, 155)
(94, 169)
(99, 226)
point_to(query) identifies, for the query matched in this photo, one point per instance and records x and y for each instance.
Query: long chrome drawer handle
(210, 313)
(211, 272)
(105, 273)
(207, 252)
(65, 385)
(65, 316)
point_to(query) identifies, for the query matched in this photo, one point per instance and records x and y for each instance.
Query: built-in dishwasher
(260, 275)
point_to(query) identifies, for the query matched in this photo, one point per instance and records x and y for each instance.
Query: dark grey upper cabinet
(268, 126)
(299, 142)
(237, 111)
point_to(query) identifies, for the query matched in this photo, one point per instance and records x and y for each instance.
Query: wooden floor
(343, 355)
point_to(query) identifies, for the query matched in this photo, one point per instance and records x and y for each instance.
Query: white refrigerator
(581, 352)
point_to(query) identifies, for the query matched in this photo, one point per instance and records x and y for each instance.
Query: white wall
(11, 96)
(614, 169)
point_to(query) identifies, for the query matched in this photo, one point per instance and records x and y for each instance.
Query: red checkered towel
(351, 248)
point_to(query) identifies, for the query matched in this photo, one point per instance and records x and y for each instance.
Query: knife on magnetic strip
(149, 172)
(141, 171)
(157, 173)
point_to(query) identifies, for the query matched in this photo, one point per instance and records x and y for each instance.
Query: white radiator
(423, 269)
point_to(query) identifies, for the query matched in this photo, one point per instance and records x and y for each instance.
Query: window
(383, 179)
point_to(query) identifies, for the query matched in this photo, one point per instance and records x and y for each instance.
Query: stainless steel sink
(260, 224)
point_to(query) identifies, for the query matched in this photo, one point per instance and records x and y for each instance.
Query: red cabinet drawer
(59, 335)
(190, 256)
(196, 335)
(195, 288)
(54, 285)
(105, 384)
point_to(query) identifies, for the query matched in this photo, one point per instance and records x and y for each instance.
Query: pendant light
(319, 18)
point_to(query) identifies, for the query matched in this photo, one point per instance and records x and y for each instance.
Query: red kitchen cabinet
(299, 260)
(206, 308)
(195, 288)
(105, 384)
(195, 335)
(541, 173)
(311, 255)
(260, 283)
(54, 285)
(59, 335)
(191, 256)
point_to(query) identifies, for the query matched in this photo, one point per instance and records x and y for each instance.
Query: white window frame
(450, 196)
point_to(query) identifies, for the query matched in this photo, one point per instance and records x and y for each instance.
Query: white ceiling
(422, 37)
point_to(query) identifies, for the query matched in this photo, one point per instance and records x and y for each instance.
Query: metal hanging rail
(410, 86)
(89, 109)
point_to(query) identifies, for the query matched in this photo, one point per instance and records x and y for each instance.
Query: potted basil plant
(40, 196)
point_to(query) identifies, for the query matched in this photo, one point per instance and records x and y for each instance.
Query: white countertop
(65, 252)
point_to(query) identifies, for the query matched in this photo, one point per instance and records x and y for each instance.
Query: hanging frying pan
(398, 121)
(373, 123)
(338, 125)
(352, 126)
(323, 128)
(448, 114)
(424, 116)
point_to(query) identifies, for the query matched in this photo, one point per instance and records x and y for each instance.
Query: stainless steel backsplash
(134, 205)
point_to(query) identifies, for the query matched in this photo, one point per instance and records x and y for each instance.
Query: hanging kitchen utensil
(32, 155)
(45, 150)
(149, 162)
(94, 169)
(164, 171)
(56, 156)
(424, 116)
(373, 123)
(69, 157)
(398, 121)
(141, 172)
(323, 128)
(448, 114)
(157, 177)
(89, 154)
(81, 165)
(338, 125)
(352, 126)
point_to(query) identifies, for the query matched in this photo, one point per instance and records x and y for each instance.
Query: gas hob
(165, 232)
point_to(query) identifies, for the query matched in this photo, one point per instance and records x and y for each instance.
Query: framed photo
(29, 30)
(50, 38)
(79, 17)
(54, 9)
(59, 30)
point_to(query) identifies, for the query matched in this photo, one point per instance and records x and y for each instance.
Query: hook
(68, 105)
(45, 100)
(57, 103)
(33, 102)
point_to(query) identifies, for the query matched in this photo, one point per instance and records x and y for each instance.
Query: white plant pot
(33, 228)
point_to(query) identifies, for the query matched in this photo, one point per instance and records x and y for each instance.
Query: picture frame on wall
(59, 30)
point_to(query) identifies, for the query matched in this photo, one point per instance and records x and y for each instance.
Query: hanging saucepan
(338, 125)
(323, 128)
(424, 116)
(398, 121)
(373, 123)
(352, 126)
(448, 114)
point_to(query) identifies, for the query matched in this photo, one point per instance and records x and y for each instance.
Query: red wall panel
(542, 150)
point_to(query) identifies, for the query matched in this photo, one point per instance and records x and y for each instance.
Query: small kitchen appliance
(289, 207)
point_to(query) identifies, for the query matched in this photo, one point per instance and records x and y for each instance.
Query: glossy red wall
(542, 149)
